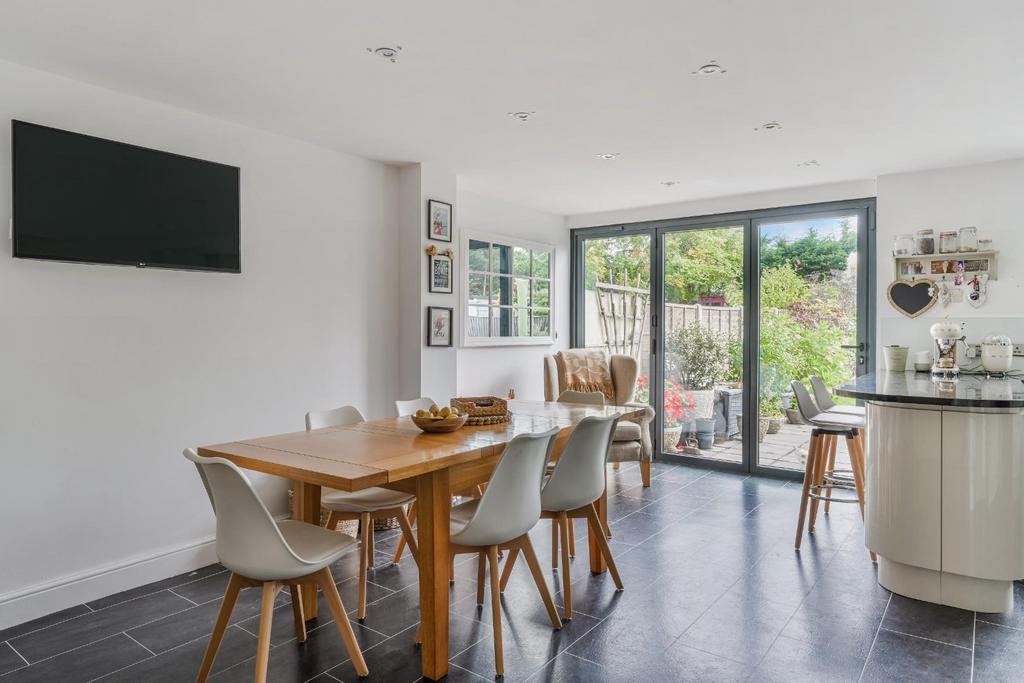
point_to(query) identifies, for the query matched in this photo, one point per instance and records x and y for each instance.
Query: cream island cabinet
(945, 486)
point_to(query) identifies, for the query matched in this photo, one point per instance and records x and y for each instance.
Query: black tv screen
(82, 198)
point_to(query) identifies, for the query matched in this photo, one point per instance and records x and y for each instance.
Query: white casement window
(509, 299)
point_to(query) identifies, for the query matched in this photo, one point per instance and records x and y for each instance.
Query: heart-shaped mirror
(913, 298)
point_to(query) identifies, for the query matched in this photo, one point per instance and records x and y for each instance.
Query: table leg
(306, 508)
(433, 502)
(597, 561)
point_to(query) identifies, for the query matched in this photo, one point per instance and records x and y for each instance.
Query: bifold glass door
(811, 321)
(701, 327)
(722, 314)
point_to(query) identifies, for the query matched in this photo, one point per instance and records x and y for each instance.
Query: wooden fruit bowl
(436, 425)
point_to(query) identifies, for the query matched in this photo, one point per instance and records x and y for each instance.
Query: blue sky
(795, 229)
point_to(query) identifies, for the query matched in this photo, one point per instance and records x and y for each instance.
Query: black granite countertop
(969, 391)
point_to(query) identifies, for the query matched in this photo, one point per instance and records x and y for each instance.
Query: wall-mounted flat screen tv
(86, 199)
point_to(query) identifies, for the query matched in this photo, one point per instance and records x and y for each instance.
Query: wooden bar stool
(821, 477)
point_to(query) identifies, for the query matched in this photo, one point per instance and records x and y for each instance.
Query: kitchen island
(945, 486)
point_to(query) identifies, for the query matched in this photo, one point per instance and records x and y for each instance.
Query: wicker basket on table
(483, 410)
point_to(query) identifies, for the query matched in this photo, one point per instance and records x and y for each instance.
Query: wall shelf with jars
(942, 255)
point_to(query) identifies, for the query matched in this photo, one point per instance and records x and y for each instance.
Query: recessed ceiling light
(809, 162)
(712, 68)
(770, 126)
(669, 183)
(523, 116)
(388, 53)
(608, 156)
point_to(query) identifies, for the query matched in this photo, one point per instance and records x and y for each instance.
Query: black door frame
(750, 221)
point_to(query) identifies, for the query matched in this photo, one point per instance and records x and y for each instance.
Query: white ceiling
(865, 87)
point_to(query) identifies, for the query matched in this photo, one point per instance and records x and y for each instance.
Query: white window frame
(513, 242)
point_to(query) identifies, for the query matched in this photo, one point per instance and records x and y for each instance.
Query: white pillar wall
(423, 370)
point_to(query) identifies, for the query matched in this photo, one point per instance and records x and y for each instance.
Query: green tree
(615, 258)
(701, 262)
(811, 254)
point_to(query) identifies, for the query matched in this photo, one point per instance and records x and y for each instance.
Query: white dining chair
(410, 407)
(365, 505)
(571, 492)
(593, 398)
(404, 409)
(502, 518)
(260, 552)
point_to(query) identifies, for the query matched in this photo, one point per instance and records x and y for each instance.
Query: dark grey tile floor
(714, 592)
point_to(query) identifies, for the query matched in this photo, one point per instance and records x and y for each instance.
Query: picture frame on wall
(439, 326)
(440, 274)
(439, 220)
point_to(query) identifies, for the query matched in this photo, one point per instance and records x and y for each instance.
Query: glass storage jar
(925, 242)
(949, 242)
(969, 239)
(903, 246)
(984, 244)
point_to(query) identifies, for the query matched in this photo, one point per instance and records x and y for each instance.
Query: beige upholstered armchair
(632, 441)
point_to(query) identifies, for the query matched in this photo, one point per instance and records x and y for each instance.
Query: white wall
(424, 371)
(987, 196)
(739, 202)
(492, 371)
(107, 372)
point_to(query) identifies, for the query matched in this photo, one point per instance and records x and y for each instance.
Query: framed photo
(440, 274)
(439, 326)
(911, 268)
(439, 220)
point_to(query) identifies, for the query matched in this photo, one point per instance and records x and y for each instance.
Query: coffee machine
(946, 336)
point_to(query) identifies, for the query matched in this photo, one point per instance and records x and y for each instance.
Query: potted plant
(771, 409)
(793, 415)
(677, 410)
(698, 358)
(705, 427)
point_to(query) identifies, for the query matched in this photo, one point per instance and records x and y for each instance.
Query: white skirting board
(36, 601)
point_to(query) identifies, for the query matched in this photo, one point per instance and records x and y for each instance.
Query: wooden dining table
(395, 454)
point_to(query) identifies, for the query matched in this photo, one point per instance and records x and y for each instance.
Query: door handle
(858, 347)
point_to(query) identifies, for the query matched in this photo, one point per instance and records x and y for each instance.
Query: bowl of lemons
(439, 419)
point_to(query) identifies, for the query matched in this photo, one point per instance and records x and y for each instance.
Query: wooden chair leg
(510, 563)
(365, 531)
(481, 569)
(645, 473)
(499, 655)
(572, 539)
(406, 537)
(219, 626)
(812, 448)
(372, 555)
(830, 470)
(606, 549)
(554, 543)
(819, 477)
(538, 577)
(332, 521)
(326, 582)
(297, 615)
(563, 523)
(411, 517)
(270, 589)
(857, 461)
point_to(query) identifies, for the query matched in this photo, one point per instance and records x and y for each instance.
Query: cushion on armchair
(627, 431)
